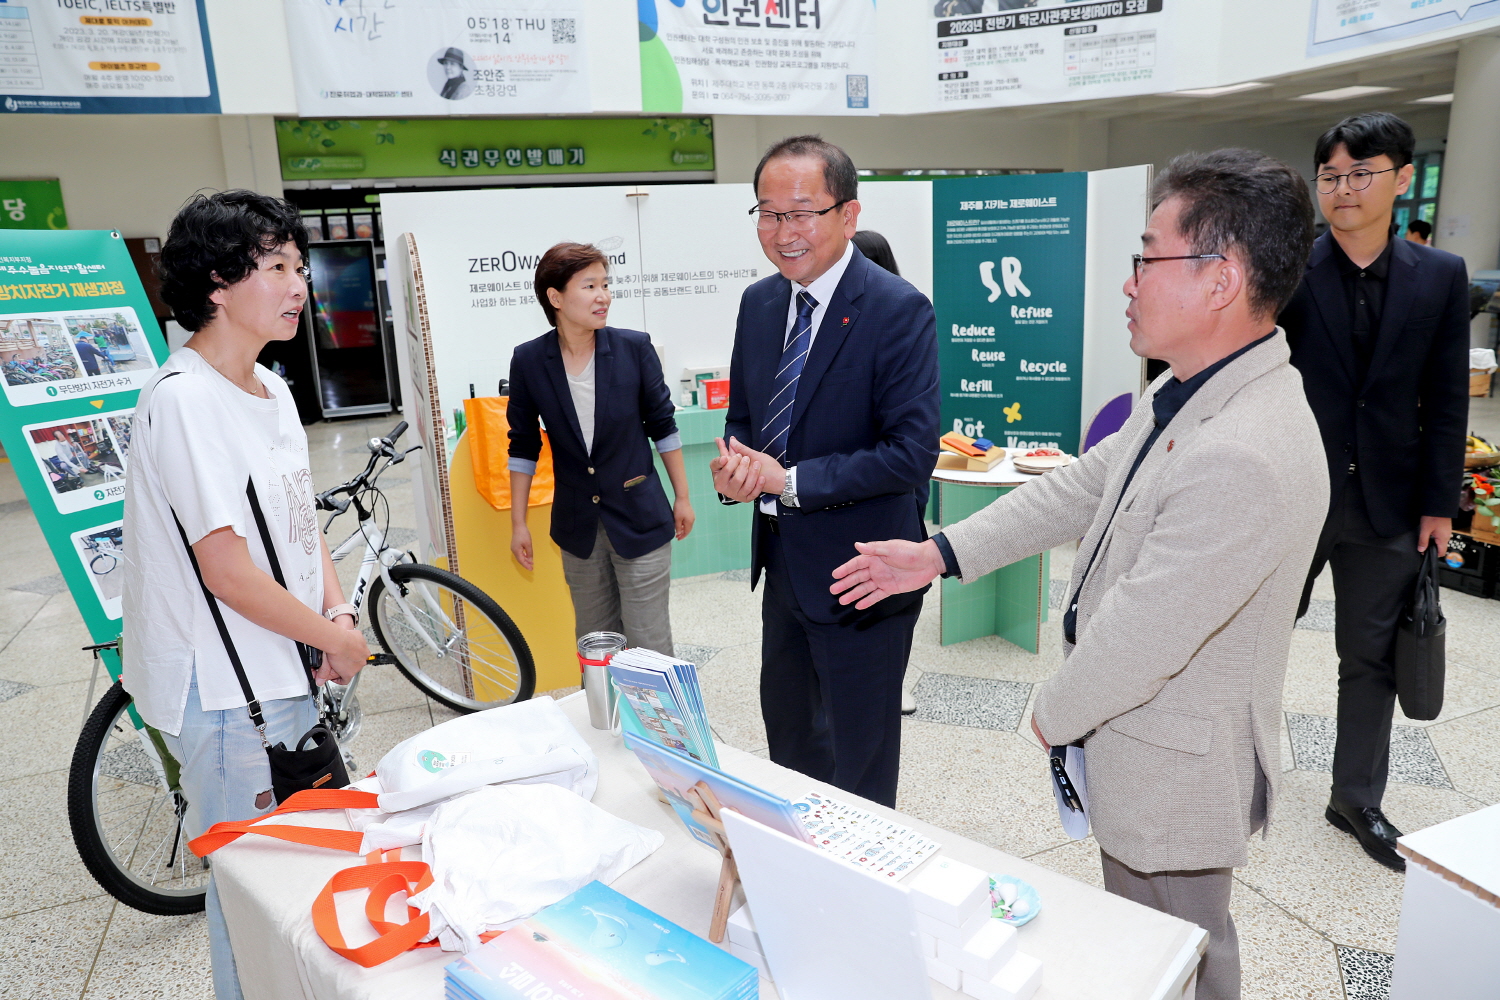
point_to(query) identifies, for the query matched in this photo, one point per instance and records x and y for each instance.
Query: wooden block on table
(951, 892)
(1019, 980)
(984, 954)
(945, 974)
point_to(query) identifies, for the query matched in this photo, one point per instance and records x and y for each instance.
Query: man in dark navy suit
(832, 432)
(1379, 329)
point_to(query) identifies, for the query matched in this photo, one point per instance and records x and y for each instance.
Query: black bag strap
(305, 653)
(252, 704)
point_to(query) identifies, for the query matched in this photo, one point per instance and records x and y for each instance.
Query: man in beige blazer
(1198, 521)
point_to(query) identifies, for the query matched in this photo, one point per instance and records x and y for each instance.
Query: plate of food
(1039, 460)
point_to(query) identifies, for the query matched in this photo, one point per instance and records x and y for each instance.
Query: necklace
(256, 392)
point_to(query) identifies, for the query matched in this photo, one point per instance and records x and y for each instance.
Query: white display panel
(1118, 209)
(438, 57)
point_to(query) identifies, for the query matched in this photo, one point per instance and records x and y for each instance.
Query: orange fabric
(488, 435)
(383, 880)
(317, 798)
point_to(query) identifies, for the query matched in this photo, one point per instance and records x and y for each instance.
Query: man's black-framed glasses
(1140, 262)
(800, 219)
(1357, 180)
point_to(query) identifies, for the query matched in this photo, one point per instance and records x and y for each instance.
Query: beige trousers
(615, 594)
(1200, 897)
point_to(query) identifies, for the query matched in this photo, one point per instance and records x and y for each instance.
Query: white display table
(1093, 946)
(1450, 912)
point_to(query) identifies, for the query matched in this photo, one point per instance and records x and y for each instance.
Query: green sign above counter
(347, 149)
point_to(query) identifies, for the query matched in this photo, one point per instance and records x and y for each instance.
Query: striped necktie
(779, 425)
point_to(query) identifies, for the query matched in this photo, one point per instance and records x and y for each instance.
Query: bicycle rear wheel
(127, 823)
(451, 639)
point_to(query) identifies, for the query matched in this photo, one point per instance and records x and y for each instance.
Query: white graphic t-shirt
(198, 440)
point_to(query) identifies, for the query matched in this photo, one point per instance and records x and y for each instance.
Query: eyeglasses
(800, 220)
(1140, 262)
(1357, 180)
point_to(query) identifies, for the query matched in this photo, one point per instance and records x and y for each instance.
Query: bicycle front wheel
(127, 822)
(451, 639)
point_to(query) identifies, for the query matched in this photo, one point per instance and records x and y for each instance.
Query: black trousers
(830, 694)
(1372, 581)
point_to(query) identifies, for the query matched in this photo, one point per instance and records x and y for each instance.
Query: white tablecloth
(1093, 946)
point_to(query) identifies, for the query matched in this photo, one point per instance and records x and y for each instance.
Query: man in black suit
(1380, 331)
(832, 432)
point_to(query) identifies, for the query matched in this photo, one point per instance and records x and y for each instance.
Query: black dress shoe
(1376, 834)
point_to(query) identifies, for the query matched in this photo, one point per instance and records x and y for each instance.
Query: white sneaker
(908, 702)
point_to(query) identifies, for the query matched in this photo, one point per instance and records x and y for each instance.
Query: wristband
(343, 609)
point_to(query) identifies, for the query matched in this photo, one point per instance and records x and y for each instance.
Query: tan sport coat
(1186, 618)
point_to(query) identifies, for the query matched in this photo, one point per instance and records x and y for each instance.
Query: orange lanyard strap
(306, 801)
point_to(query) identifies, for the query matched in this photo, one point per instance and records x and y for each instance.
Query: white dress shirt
(821, 289)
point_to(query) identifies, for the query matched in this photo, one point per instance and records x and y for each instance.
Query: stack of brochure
(599, 945)
(666, 702)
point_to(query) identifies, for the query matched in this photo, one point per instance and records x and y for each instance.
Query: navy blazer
(632, 408)
(1404, 425)
(864, 434)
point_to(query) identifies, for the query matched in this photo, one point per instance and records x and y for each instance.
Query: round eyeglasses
(800, 220)
(1357, 180)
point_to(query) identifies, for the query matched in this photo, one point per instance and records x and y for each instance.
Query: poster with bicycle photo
(78, 340)
(83, 459)
(48, 355)
(101, 550)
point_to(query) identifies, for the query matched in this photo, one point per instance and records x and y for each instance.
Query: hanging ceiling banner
(106, 57)
(438, 57)
(1340, 24)
(758, 57)
(1042, 51)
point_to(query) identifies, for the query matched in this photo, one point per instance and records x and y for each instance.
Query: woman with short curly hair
(216, 449)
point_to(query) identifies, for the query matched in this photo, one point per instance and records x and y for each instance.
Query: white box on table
(984, 954)
(1019, 980)
(956, 935)
(945, 974)
(949, 890)
(750, 957)
(929, 944)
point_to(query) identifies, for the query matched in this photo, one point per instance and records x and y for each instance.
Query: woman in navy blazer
(599, 390)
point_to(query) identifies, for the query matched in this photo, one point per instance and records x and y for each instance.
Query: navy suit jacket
(864, 434)
(1404, 424)
(632, 408)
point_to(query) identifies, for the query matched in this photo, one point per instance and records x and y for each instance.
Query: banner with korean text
(1040, 51)
(758, 57)
(106, 57)
(77, 342)
(1008, 262)
(1338, 24)
(438, 57)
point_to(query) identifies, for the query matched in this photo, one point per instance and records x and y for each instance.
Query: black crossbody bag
(316, 762)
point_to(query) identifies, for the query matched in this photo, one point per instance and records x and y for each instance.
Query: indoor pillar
(1469, 219)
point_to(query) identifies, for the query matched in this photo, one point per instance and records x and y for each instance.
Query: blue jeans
(226, 776)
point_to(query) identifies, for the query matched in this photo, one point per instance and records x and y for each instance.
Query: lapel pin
(846, 321)
(1171, 443)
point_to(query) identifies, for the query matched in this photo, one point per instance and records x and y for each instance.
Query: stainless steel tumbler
(594, 653)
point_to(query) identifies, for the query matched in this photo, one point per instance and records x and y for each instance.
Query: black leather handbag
(1420, 660)
(316, 761)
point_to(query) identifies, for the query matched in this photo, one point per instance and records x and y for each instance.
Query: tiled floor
(1316, 918)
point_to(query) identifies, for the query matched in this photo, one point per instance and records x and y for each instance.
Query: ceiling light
(1233, 88)
(1435, 99)
(1345, 93)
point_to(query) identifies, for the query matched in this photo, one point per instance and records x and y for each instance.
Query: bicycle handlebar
(379, 448)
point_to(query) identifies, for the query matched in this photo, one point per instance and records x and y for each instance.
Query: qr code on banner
(857, 90)
(564, 31)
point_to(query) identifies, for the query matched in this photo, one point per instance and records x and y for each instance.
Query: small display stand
(707, 813)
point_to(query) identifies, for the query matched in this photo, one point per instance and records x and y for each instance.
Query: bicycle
(444, 634)
(125, 802)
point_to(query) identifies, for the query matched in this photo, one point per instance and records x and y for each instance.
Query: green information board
(77, 343)
(489, 147)
(1008, 282)
(32, 205)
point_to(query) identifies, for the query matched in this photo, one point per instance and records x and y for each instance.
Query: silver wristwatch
(789, 490)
